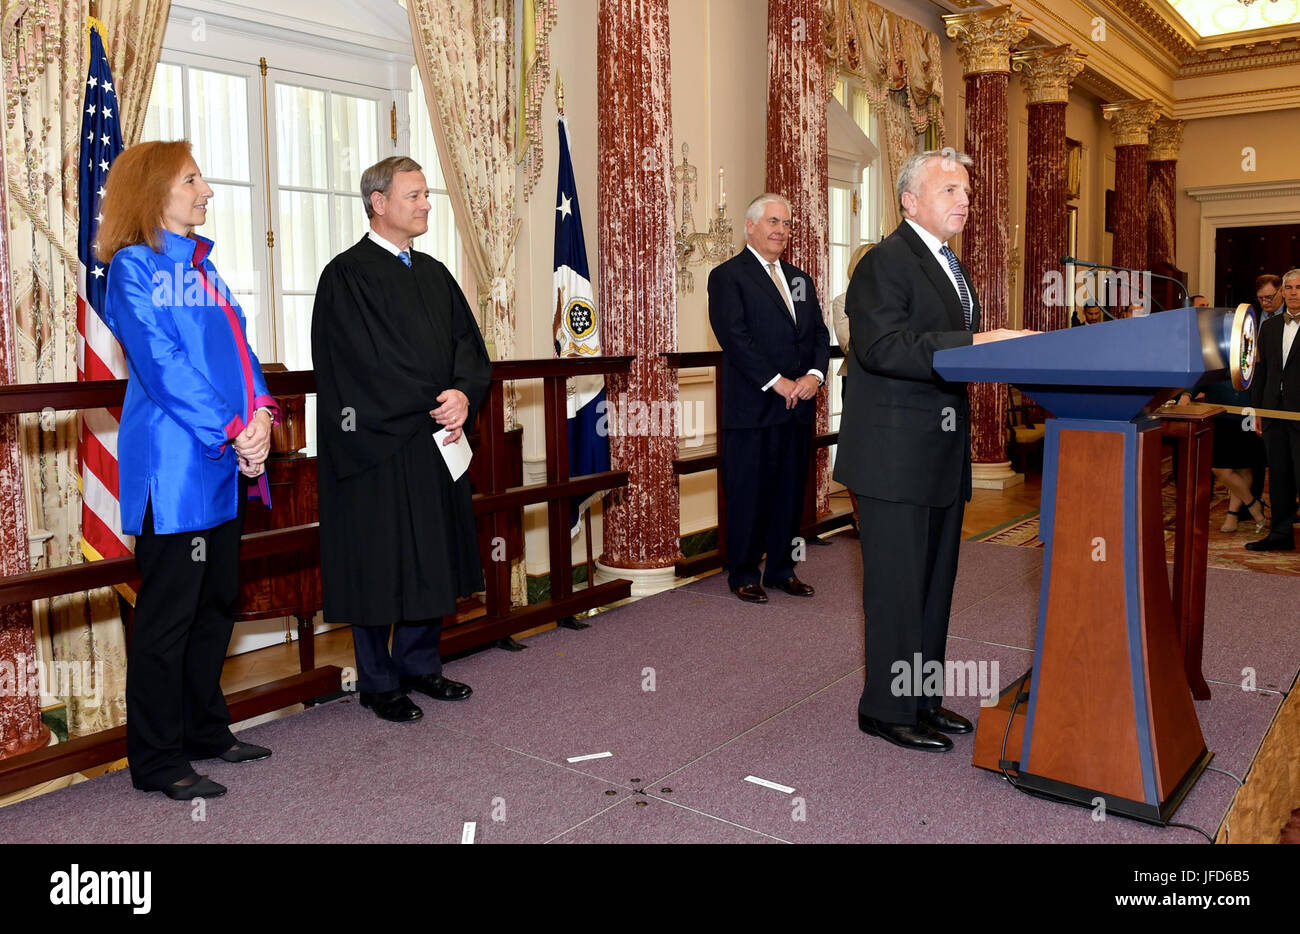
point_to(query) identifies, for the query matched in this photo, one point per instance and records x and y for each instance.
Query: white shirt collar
(930, 240)
(390, 247)
(759, 257)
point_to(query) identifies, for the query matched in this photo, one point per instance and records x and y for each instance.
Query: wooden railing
(491, 504)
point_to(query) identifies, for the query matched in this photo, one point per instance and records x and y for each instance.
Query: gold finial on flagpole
(559, 94)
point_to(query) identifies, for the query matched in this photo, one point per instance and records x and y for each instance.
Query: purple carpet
(691, 692)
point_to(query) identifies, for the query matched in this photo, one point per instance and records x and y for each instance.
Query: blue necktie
(962, 291)
(405, 257)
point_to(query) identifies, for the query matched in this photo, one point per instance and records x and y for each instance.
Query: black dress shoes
(944, 720)
(193, 786)
(438, 687)
(751, 593)
(795, 587)
(393, 706)
(245, 752)
(901, 734)
(1275, 542)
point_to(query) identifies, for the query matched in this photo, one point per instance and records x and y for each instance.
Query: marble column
(1130, 123)
(1045, 75)
(984, 42)
(797, 162)
(1165, 140)
(637, 286)
(21, 729)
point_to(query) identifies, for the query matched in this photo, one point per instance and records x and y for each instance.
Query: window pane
(839, 272)
(300, 134)
(219, 124)
(839, 228)
(254, 326)
(441, 241)
(354, 121)
(349, 221)
(423, 148)
(295, 350)
(861, 111)
(165, 119)
(304, 235)
(230, 223)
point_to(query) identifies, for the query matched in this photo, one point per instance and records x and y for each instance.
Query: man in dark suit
(1277, 386)
(904, 446)
(775, 350)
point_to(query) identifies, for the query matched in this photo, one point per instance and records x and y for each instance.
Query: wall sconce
(693, 247)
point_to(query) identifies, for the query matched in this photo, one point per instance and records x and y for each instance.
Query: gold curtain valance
(888, 53)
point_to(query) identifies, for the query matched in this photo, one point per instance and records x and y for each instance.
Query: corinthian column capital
(1166, 139)
(984, 38)
(1046, 74)
(1130, 121)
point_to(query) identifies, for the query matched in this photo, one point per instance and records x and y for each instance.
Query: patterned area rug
(1227, 549)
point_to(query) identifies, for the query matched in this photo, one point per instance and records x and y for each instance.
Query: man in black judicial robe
(398, 356)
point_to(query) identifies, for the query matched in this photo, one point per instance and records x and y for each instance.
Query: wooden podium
(1106, 711)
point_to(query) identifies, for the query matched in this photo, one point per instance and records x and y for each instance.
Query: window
(322, 134)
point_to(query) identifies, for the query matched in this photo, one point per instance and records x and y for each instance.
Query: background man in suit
(905, 444)
(776, 348)
(1277, 386)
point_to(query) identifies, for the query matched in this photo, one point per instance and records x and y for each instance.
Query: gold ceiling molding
(984, 38)
(1131, 121)
(1248, 56)
(1046, 74)
(1165, 140)
(1156, 27)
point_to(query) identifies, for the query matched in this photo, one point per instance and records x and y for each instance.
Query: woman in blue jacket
(197, 415)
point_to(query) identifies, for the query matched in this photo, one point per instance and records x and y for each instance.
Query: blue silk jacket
(194, 385)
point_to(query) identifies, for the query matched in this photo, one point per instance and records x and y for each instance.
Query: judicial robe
(397, 534)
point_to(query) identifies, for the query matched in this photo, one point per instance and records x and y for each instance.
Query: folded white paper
(456, 455)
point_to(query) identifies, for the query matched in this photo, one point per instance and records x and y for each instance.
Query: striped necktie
(405, 257)
(962, 291)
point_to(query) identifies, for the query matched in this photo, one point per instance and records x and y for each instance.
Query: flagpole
(559, 94)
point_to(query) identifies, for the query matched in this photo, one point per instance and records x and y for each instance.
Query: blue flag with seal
(577, 333)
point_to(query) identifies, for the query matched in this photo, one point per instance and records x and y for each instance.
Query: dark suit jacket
(759, 339)
(1275, 387)
(904, 432)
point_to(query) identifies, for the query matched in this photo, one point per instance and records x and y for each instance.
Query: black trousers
(909, 565)
(184, 617)
(415, 653)
(763, 475)
(1282, 444)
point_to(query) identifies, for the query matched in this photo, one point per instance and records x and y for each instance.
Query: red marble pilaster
(21, 729)
(1045, 75)
(984, 248)
(1046, 233)
(796, 160)
(1131, 126)
(1129, 246)
(637, 281)
(1162, 191)
(1162, 197)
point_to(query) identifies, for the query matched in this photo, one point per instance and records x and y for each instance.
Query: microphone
(1075, 261)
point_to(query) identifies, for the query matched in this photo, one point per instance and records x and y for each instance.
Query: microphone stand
(1070, 262)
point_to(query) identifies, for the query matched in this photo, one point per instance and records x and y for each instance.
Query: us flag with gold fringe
(99, 356)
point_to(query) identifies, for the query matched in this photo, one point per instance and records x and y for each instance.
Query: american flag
(98, 354)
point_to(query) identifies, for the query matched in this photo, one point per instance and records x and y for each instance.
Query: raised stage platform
(737, 690)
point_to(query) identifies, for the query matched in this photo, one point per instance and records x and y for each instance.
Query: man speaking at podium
(904, 445)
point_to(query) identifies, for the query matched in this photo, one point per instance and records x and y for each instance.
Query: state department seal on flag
(580, 326)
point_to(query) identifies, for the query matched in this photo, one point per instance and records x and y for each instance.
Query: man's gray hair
(379, 177)
(1293, 274)
(912, 167)
(755, 210)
